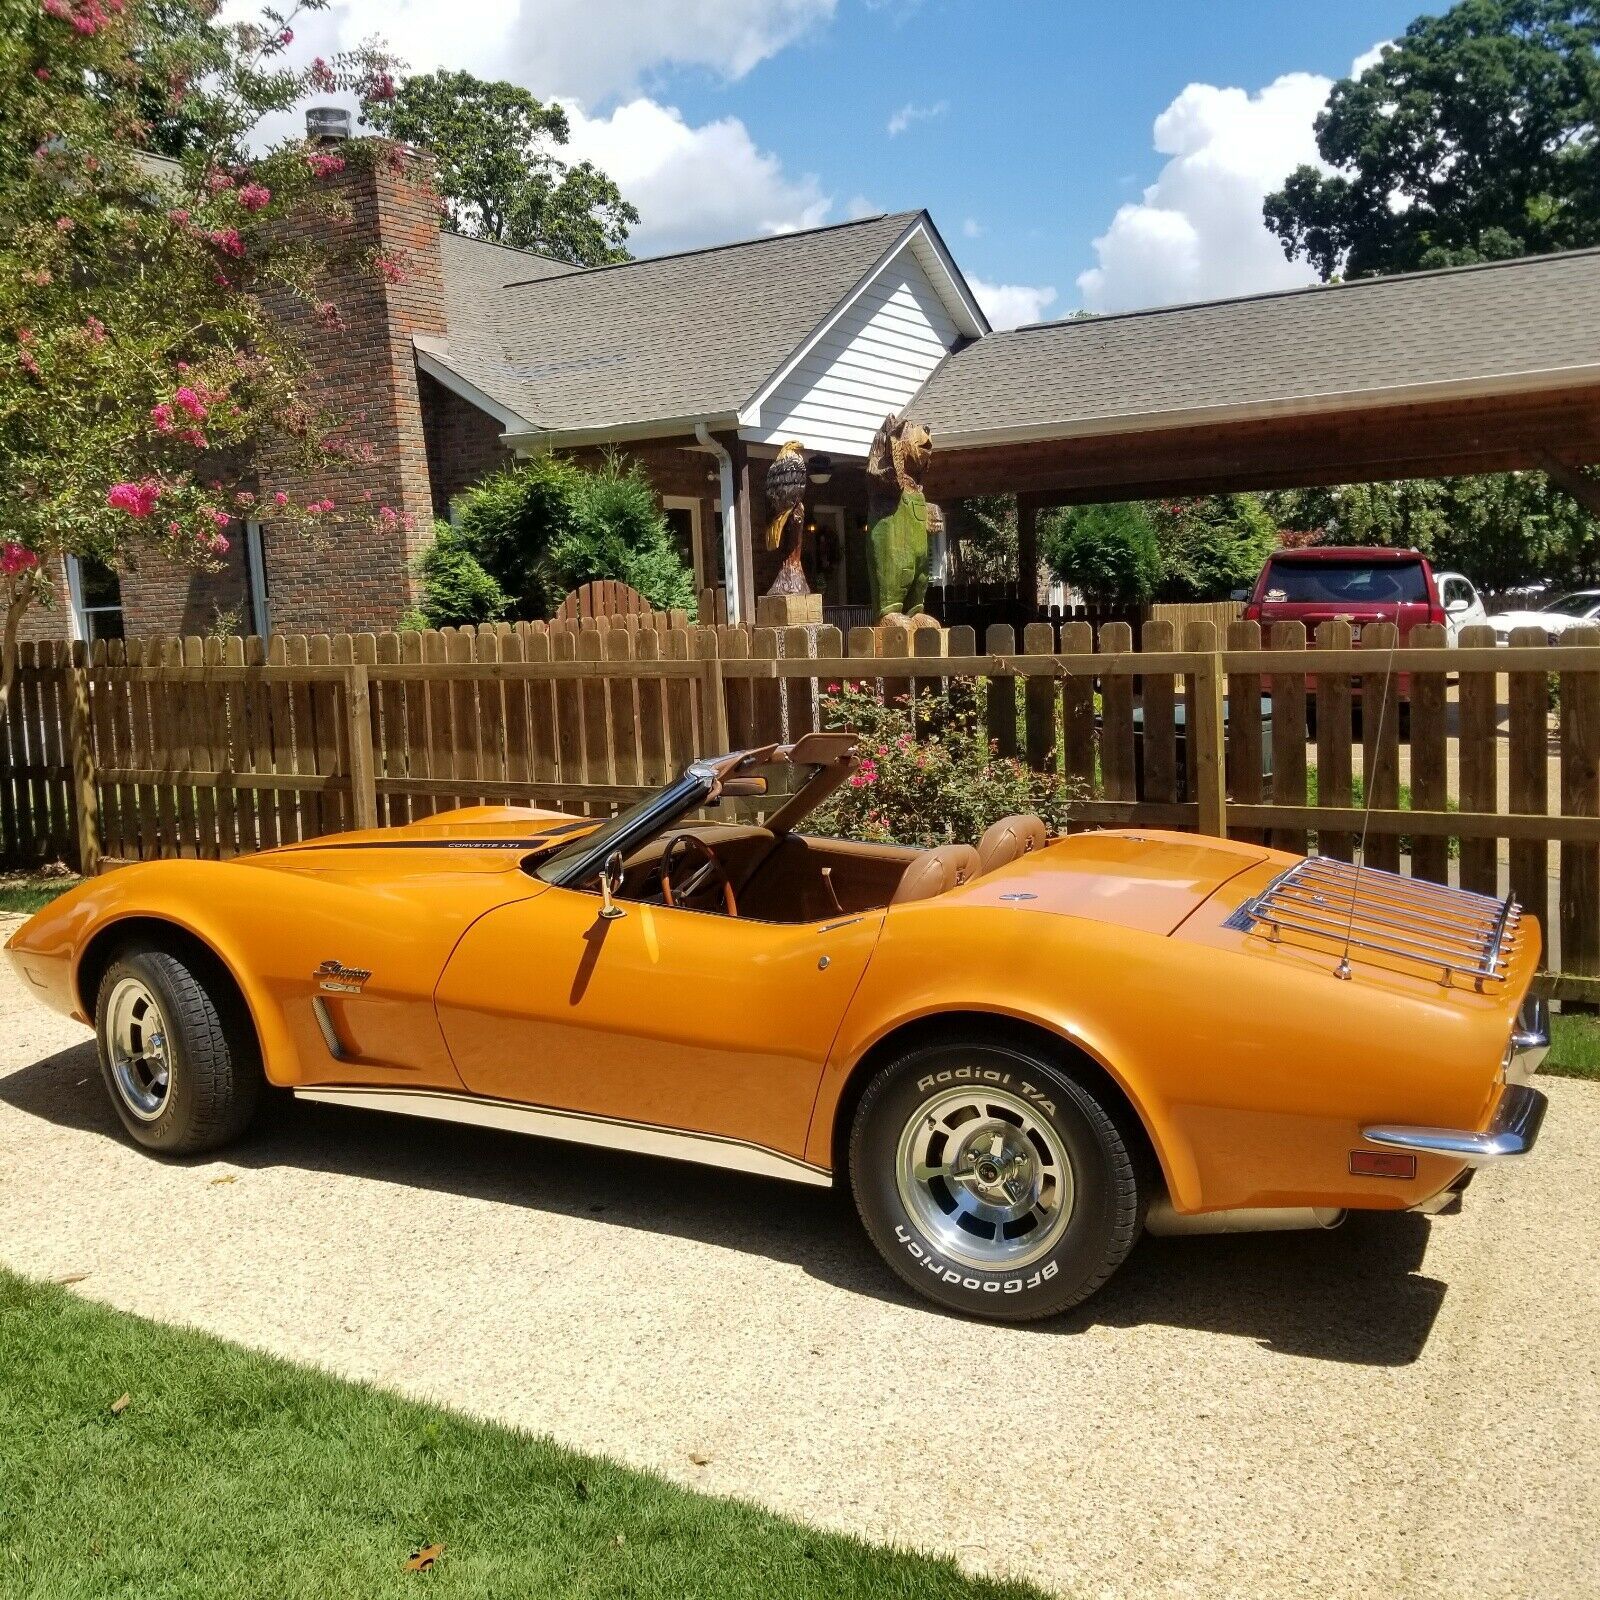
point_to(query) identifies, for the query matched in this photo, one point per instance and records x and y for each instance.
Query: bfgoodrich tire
(177, 1053)
(992, 1181)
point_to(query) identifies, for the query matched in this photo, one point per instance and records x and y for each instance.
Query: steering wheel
(675, 860)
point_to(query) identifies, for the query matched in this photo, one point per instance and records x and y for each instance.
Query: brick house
(699, 365)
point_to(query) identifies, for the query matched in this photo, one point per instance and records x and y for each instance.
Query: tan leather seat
(1010, 837)
(935, 871)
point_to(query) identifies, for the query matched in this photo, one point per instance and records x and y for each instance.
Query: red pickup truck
(1357, 584)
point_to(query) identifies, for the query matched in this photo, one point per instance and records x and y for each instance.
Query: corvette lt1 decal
(336, 978)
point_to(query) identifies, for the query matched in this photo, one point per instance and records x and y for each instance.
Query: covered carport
(1476, 369)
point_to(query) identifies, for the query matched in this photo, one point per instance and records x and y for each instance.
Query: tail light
(1252, 612)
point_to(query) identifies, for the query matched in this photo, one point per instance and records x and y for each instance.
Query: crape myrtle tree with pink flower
(143, 380)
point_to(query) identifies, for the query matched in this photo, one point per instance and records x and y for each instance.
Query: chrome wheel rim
(138, 1047)
(984, 1178)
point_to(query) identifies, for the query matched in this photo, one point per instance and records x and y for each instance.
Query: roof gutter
(1310, 405)
(730, 522)
(540, 441)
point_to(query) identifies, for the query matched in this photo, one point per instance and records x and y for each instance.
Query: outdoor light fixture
(820, 468)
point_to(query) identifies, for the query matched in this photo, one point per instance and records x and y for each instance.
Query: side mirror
(1457, 607)
(1241, 595)
(610, 887)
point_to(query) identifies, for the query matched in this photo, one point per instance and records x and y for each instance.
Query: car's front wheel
(992, 1181)
(177, 1052)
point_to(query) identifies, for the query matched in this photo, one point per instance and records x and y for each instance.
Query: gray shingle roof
(695, 334)
(477, 273)
(1489, 324)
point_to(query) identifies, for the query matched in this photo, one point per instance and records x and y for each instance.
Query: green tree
(455, 588)
(1109, 553)
(1500, 528)
(1472, 139)
(143, 378)
(500, 180)
(1211, 545)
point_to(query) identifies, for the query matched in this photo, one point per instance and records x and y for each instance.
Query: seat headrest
(1010, 837)
(935, 871)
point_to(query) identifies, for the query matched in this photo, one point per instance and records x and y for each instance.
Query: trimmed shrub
(455, 587)
(547, 527)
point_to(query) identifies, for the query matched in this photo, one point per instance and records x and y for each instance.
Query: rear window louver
(1362, 913)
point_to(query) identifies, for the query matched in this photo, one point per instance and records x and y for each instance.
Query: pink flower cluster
(321, 76)
(255, 197)
(320, 508)
(866, 773)
(15, 558)
(137, 499)
(96, 330)
(87, 17)
(390, 270)
(227, 240)
(330, 317)
(323, 164)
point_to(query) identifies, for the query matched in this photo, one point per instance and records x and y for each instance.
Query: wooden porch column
(1028, 550)
(708, 548)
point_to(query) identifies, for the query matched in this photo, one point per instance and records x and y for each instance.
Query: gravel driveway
(1397, 1408)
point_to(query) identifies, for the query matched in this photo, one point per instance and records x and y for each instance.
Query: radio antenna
(1369, 783)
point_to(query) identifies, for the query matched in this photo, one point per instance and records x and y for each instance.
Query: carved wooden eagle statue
(786, 493)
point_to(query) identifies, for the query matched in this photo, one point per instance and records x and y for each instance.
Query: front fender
(271, 929)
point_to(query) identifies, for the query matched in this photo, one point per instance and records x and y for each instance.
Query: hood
(472, 839)
(1550, 621)
(1146, 880)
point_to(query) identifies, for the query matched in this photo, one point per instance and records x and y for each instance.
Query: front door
(681, 1019)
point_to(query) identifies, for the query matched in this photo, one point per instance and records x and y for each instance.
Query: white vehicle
(1574, 610)
(1463, 605)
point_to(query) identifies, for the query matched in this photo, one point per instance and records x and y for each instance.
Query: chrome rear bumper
(1512, 1131)
(1530, 1040)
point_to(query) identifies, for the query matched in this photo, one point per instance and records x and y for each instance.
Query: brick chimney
(364, 375)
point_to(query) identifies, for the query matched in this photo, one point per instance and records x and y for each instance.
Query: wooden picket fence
(213, 747)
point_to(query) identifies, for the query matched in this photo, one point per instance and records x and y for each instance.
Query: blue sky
(1030, 128)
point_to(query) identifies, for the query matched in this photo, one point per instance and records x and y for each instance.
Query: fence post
(714, 704)
(85, 799)
(1210, 765)
(358, 724)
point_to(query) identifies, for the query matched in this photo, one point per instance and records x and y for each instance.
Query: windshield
(1346, 583)
(1573, 605)
(581, 859)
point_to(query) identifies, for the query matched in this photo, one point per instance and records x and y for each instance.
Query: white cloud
(591, 50)
(1198, 232)
(971, 228)
(909, 113)
(693, 185)
(859, 206)
(1009, 305)
(1370, 58)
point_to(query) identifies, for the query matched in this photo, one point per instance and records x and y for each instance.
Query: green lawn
(1574, 1046)
(231, 1473)
(27, 892)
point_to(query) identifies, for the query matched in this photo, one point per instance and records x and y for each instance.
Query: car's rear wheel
(177, 1052)
(992, 1181)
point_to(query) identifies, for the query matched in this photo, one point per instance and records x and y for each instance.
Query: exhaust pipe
(1164, 1222)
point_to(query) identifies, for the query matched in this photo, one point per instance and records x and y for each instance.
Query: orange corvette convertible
(1017, 1055)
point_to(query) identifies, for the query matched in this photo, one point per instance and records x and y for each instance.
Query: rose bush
(928, 775)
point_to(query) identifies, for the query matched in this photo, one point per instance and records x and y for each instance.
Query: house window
(96, 595)
(683, 522)
(255, 552)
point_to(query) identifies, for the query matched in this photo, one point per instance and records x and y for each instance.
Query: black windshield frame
(574, 866)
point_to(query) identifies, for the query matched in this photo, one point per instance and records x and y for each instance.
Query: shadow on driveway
(1356, 1294)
